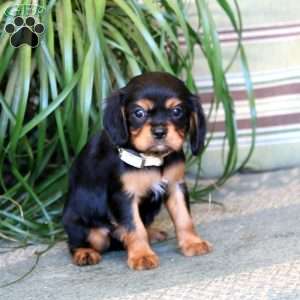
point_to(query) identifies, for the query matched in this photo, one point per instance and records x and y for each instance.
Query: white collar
(139, 160)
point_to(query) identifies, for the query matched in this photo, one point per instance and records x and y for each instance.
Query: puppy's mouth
(159, 148)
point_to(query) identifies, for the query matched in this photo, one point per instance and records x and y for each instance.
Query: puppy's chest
(151, 183)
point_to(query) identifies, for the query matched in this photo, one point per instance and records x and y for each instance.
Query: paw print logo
(24, 32)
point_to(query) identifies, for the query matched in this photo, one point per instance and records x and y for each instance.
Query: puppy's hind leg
(86, 244)
(86, 256)
(99, 238)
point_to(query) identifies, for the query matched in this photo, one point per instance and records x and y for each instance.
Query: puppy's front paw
(86, 256)
(143, 262)
(196, 247)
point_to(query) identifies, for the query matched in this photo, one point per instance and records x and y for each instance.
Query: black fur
(114, 119)
(198, 126)
(96, 196)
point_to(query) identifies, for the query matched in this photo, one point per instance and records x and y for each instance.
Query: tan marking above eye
(146, 104)
(172, 102)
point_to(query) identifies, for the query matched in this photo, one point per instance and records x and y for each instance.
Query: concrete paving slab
(256, 256)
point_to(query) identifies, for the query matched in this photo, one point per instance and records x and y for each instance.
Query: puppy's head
(153, 114)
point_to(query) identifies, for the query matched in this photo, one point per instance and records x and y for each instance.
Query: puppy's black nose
(159, 132)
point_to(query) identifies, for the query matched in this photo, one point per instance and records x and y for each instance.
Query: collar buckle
(143, 161)
(138, 160)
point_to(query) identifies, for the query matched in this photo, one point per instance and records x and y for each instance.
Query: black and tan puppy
(123, 176)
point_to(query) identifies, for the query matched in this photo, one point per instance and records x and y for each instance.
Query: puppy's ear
(114, 120)
(197, 125)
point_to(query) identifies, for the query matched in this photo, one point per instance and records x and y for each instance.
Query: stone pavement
(256, 237)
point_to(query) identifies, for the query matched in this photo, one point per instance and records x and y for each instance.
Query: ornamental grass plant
(52, 96)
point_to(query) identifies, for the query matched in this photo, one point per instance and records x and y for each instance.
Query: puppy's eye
(140, 113)
(177, 112)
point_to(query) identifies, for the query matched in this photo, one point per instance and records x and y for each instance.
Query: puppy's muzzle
(159, 132)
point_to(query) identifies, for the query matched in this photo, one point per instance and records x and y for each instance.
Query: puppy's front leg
(140, 254)
(177, 205)
(135, 239)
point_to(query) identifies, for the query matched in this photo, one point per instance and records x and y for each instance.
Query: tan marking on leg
(140, 254)
(86, 256)
(99, 239)
(156, 235)
(189, 242)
